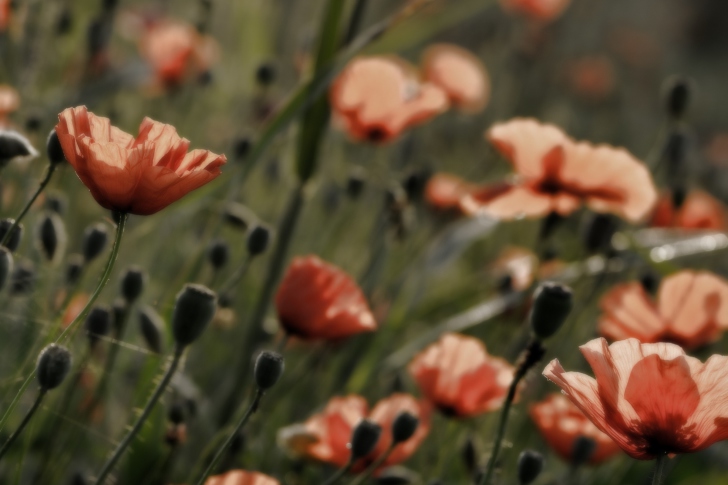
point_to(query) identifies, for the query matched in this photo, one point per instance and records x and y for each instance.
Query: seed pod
(530, 464)
(98, 324)
(193, 310)
(54, 149)
(33, 123)
(23, 278)
(132, 283)
(51, 236)
(95, 238)
(54, 363)
(470, 455)
(355, 183)
(241, 148)
(582, 450)
(268, 369)
(364, 438)
(6, 266)
(552, 303)
(14, 145)
(74, 268)
(14, 240)
(265, 75)
(258, 239)
(677, 93)
(650, 281)
(218, 253)
(404, 426)
(151, 326)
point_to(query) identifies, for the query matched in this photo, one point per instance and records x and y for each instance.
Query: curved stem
(339, 473)
(119, 451)
(235, 278)
(373, 467)
(660, 470)
(218, 456)
(23, 423)
(43, 183)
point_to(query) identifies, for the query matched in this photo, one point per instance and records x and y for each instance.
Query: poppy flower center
(376, 134)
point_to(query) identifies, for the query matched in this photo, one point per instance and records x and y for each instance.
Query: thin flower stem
(660, 470)
(23, 423)
(339, 473)
(373, 467)
(221, 451)
(43, 183)
(119, 451)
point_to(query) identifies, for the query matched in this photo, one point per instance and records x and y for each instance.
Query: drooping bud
(582, 450)
(404, 426)
(14, 145)
(54, 363)
(51, 236)
(268, 369)
(120, 310)
(14, 240)
(176, 413)
(552, 303)
(364, 438)
(78, 479)
(239, 216)
(95, 238)
(650, 281)
(677, 93)
(355, 183)
(54, 149)
(132, 283)
(23, 278)
(56, 202)
(414, 183)
(530, 464)
(218, 253)
(64, 22)
(265, 75)
(469, 454)
(98, 324)
(193, 310)
(258, 239)
(33, 122)
(151, 326)
(241, 148)
(599, 232)
(74, 268)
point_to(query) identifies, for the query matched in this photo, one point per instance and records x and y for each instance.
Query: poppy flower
(557, 174)
(139, 176)
(329, 432)
(74, 308)
(460, 378)
(545, 10)
(460, 74)
(691, 310)
(317, 300)
(444, 191)
(9, 103)
(561, 424)
(377, 98)
(241, 477)
(651, 399)
(698, 211)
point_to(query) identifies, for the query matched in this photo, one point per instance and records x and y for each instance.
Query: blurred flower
(5, 8)
(460, 74)
(700, 210)
(460, 378)
(9, 102)
(328, 433)
(561, 423)
(651, 399)
(139, 176)
(691, 309)
(241, 477)
(557, 174)
(377, 98)
(717, 150)
(317, 300)
(444, 191)
(74, 308)
(592, 77)
(545, 10)
(517, 264)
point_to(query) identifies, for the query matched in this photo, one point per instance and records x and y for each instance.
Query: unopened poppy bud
(176, 413)
(64, 22)
(14, 240)
(151, 325)
(193, 310)
(241, 148)
(95, 238)
(238, 216)
(599, 232)
(205, 78)
(404, 426)
(54, 363)
(268, 369)
(14, 145)
(676, 152)
(677, 92)
(414, 183)
(530, 464)
(74, 268)
(56, 203)
(6, 266)
(132, 283)
(265, 75)
(364, 438)
(78, 479)
(120, 310)
(650, 282)
(33, 123)
(470, 455)
(355, 183)
(98, 323)
(679, 193)
(218, 253)
(54, 149)
(552, 303)
(23, 279)
(238, 443)
(582, 450)
(258, 239)
(51, 236)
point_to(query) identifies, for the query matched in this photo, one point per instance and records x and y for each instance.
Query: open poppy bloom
(460, 378)
(9, 103)
(651, 399)
(545, 10)
(444, 191)
(139, 176)
(317, 300)
(377, 98)
(691, 310)
(329, 432)
(561, 424)
(698, 211)
(460, 74)
(241, 477)
(557, 174)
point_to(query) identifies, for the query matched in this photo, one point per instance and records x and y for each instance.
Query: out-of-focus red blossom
(4, 14)
(545, 10)
(651, 399)
(241, 477)
(698, 211)
(460, 378)
(519, 264)
(9, 103)
(139, 176)
(557, 174)
(561, 423)
(329, 432)
(635, 47)
(317, 300)
(74, 309)
(377, 98)
(592, 77)
(444, 191)
(691, 310)
(460, 74)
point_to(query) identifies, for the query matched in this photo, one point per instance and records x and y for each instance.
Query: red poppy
(444, 191)
(377, 98)
(329, 432)
(557, 174)
(698, 211)
(561, 424)
(138, 176)
(460, 378)
(9, 103)
(317, 300)
(691, 310)
(241, 477)
(460, 74)
(651, 399)
(5, 8)
(545, 10)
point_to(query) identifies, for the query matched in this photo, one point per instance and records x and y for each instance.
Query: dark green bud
(355, 183)
(74, 268)
(404, 426)
(258, 239)
(268, 369)
(582, 450)
(14, 240)
(54, 149)
(56, 203)
(51, 236)
(677, 92)
(552, 303)
(530, 464)
(98, 323)
(265, 75)
(176, 413)
(218, 253)
(54, 363)
(193, 310)
(364, 438)
(95, 238)
(132, 283)
(151, 326)
(14, 145)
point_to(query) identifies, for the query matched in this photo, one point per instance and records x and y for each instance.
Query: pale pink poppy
(699, 210)
(241, 477)
(460, 74)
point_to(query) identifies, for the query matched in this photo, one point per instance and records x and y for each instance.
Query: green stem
(43, 183)
(339, 473)
(660, 470)
(119, 451)
(221, 451)
(373, 467)
(235, 278)
(23, 423)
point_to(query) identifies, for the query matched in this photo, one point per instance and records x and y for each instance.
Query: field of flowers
(427, 242)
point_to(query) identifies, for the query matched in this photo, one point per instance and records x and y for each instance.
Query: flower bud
(54, 363)
(74, 268)
(364, 438)
(258, 239)
(552, 303)
(677, 93)
(14, 145)
(95, 238)
(56, 202)
(151, 326)
(98, 324)
(132, 283)
(265, 75)
(679, 193)
(530, 464)
(6, 266)
(238, 443)
(470, 455)
(193, 310)
(54, 149)
(241, 148)
(582, 450)
(33, 122)
(650, 281)
(268, 369)
(64, 22)
(218, 253)
(78, 479)
(176, 413)
(51, 236)
(414, 183)
(120, 311)
(355, 183)
(239, 216)
(404, 426)
(14, 240)
(23, 278)
(676, 154)
(599, 232)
